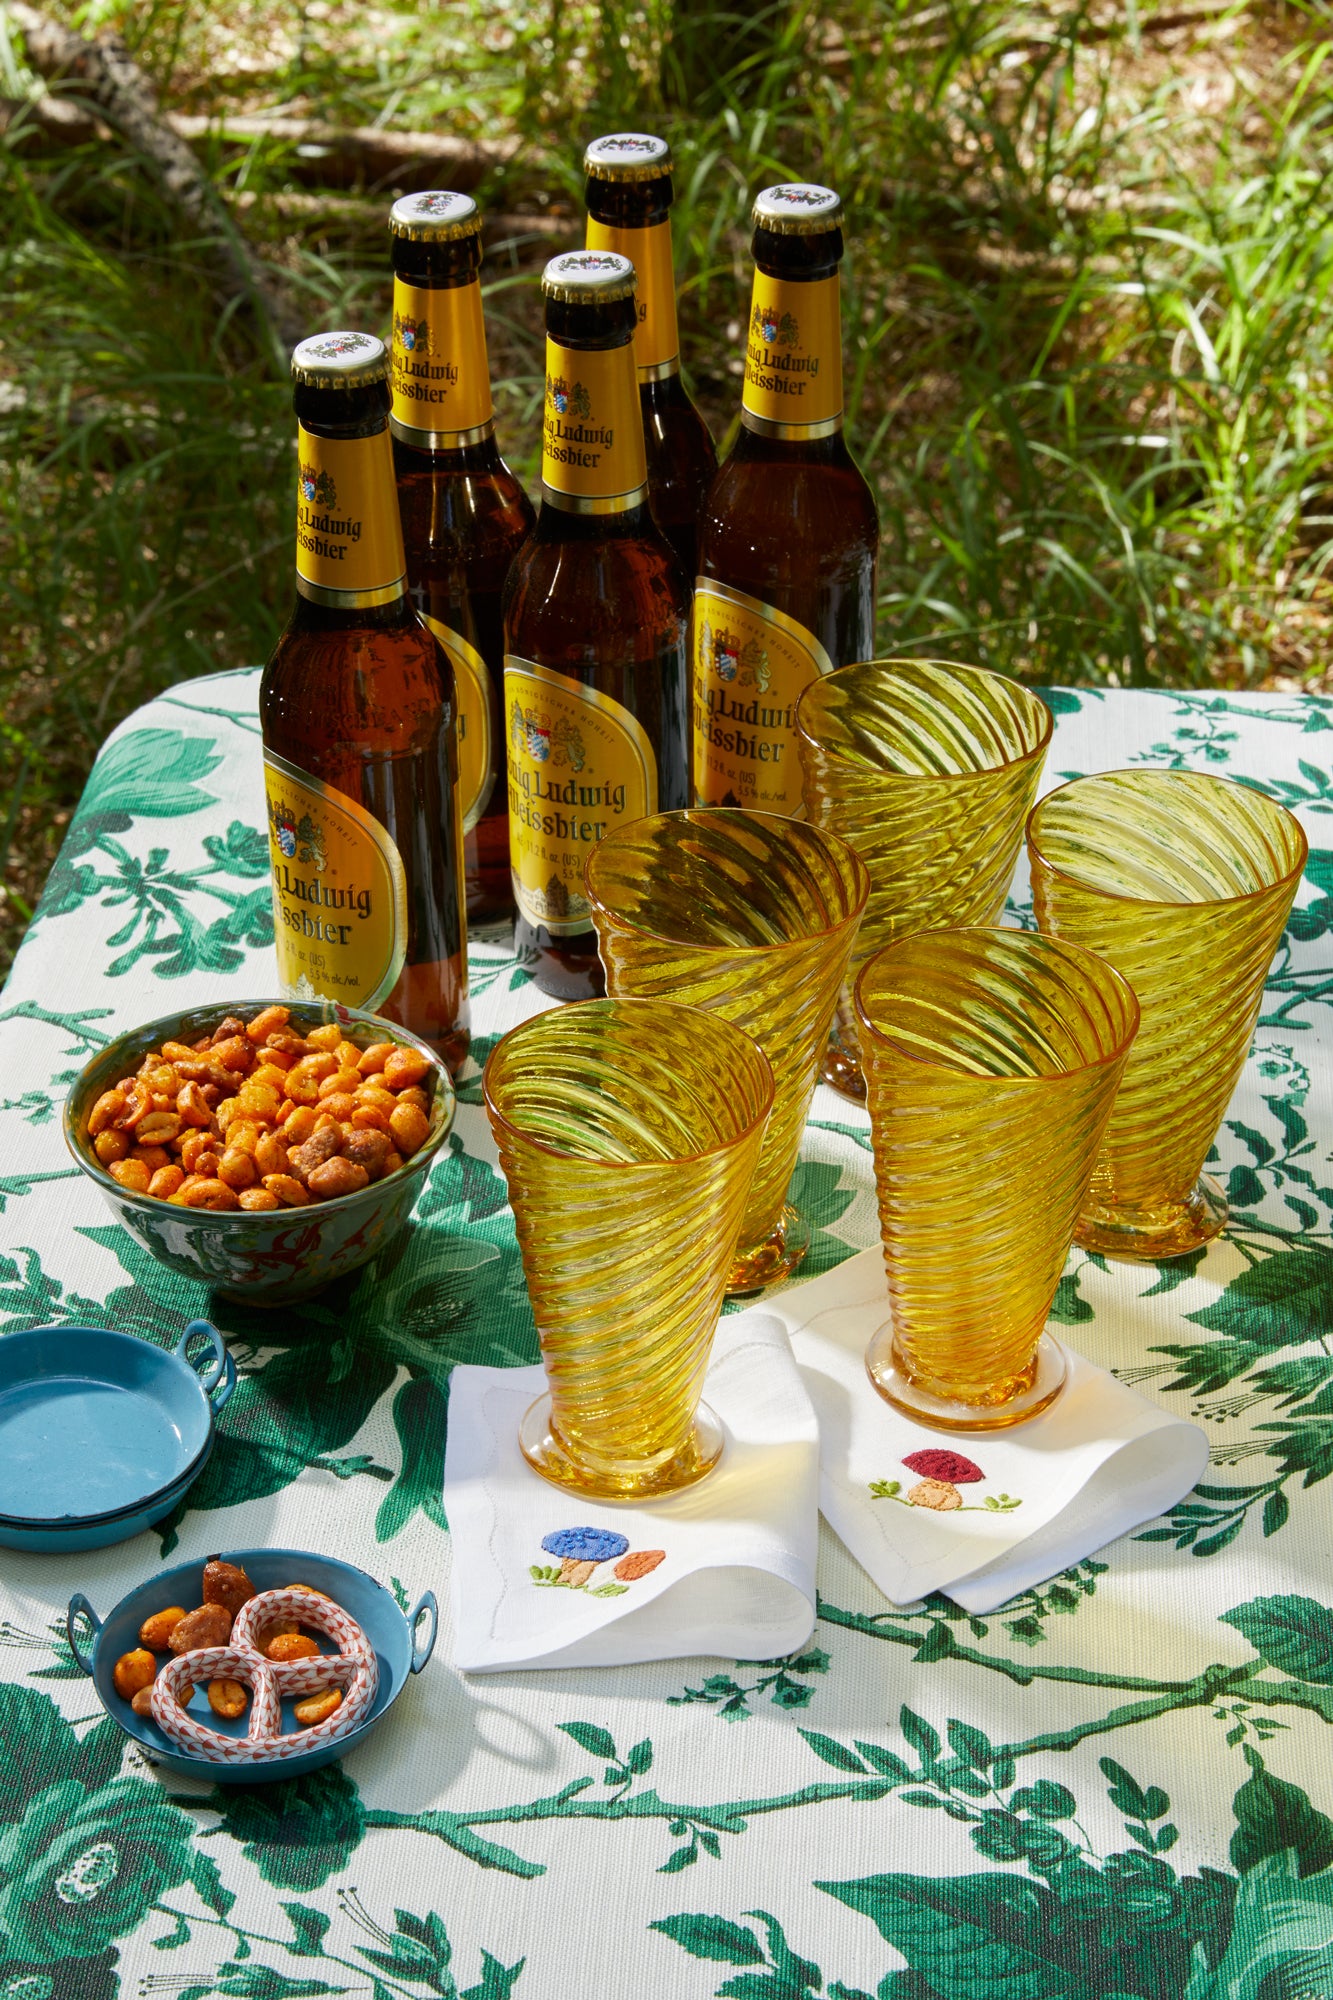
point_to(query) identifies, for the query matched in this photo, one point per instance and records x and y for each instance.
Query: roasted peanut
(142, 1703)
(296, 1129)
(133, 1671)
(337, 1176)
(269, 1021)
(132, 1175)
(341, 1083)
(106, 1110)
(155, 1632)
(258, 1199)
(410, 1127)
(288, 1190)
(374, 1058)
(278, 1060)
(153, 1157)
(291, 1646)
(259, 1100)
(195, 1142)
(177, 1052)
(305, 1077)
(227, 1030)
(392, 1162)
(369, 1118)
(210, 1194)
(288, 1043)
(318, 1707)
(270, 1154)
(166, 1181)
(192, 1108)
(138, 1104)
(243, 1135)
(237, 1169)
(159, 1128)
(339, 1106)
(325, 1038)
(404, 1068)
(227, 1699)
(226, 1583)
(111, 1146)
(416, 1095)
(210, 1625)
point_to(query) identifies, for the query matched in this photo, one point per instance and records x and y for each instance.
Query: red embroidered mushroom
(942, 1473)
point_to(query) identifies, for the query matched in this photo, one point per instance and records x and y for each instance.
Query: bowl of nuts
(263, 1665)
(265, 1149)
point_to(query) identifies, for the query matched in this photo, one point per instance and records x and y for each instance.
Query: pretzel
(353, 1667)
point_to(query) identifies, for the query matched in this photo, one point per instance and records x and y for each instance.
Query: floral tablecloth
(1120, 1784)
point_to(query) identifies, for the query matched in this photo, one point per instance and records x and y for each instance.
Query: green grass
(1088, 318)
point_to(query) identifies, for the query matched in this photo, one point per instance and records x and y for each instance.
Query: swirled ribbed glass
(992, 1059)
(928, 770)
(751, 917)
(628, 1132)
(1184, 881)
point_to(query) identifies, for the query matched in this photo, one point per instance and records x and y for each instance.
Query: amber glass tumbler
(628, 1131)
(928, 770)
(1184, 882)
(751, 917)
(992, 1059)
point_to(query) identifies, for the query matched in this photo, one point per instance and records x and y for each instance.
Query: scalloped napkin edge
(1024, 1504)
(725, 1568)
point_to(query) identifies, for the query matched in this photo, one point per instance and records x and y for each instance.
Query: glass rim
(860, 872)
(1038, 749)
(580, 1008)
(1035, 852)
(1093, 959)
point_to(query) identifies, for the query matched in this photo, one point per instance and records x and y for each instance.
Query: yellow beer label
(472, 686)
(649, 251)
(580, 765)
(793, 351)
(750, 665)
(339, 892)
(348, 532)
(438, 369)
(592, 426)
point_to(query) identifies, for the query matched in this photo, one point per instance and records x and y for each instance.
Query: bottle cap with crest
(627, 156)
(589, 278)
(797, 208)
(339, 360)
(437, 216)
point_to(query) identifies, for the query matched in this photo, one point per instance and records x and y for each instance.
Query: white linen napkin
(1025, 1504)
(545, 1578)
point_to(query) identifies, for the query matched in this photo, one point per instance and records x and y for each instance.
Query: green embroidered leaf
(309, 1926)
(833, 1753)
(713, 1938)
(1272, 1815)
(1293, 1633)
(606, 1590)
(590, 1736)
(1283, 1301)
(420, 1417)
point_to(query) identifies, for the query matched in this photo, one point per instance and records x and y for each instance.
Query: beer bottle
(597, 613)
(629, 195)
(357, 711)
(465, 515)
(789, 532)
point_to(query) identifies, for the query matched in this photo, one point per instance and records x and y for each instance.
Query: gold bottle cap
(589, 277)
(797, 208)
(627, 156)
(435, 217)
(340, 360)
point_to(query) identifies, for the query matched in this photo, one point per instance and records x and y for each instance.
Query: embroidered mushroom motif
(942, 1473)
(639, 1562)
(580, 1550)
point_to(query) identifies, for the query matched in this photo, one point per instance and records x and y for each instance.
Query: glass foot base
(844, 1072)
(775, 1257)
(896, 1386)
(626, 1479)
(1150, 1235)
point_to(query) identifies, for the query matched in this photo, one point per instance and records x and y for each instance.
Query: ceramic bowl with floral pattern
(261, 1257)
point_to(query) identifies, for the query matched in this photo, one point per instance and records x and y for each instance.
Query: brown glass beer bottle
(465, 515)
(629, 195)
(597, 613)
(789, 532)
(357, 711)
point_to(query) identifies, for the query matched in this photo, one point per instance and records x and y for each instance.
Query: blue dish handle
(217, 1368)
(80, 1608)
(425, 1607)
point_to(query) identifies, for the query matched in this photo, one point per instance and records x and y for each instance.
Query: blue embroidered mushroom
(580, 1550)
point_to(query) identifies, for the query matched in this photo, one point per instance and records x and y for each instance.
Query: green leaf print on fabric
(420, 1418)
(1273, 1816)
(298, 1833)
(1281, 1944)
(785, 1683)
(1293, 1634)
(148, 773)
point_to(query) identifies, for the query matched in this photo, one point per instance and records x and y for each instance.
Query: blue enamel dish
(401, 1646)
(101, 1434)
